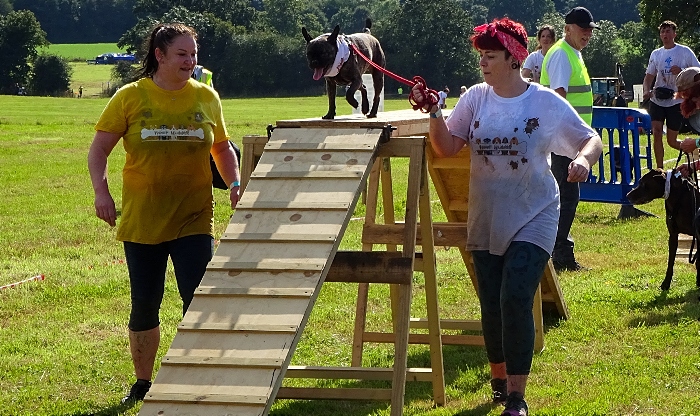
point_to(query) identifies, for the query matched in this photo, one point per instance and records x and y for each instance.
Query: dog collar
(667, 187)
(340, 57)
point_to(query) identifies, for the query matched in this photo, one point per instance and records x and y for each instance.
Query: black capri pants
(147, 264)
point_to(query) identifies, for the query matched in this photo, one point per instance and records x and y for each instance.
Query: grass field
(628, 349)
(81, 52)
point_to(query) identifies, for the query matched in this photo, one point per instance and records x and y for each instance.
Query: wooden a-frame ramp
(234, 344)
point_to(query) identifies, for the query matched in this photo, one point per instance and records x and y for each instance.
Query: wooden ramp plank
(240, 331)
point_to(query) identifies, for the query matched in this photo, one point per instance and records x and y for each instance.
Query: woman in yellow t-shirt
(169, 124)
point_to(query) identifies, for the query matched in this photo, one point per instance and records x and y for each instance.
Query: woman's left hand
(235, 196)
(578, 170)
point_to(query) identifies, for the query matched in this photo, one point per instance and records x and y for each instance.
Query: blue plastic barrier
(605, 185)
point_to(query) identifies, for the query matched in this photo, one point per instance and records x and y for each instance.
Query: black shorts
(671, 115)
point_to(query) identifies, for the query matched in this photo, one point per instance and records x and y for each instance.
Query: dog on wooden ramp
(682, 199)
(331, 56)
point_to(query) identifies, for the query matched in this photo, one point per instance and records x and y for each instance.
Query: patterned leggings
(507, 286)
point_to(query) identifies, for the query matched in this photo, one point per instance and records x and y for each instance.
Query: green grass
(82, 51)
(627, 349)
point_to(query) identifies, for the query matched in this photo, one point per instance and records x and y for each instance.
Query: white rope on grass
(12, 285)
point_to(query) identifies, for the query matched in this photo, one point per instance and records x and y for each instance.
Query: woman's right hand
(105, 208)
(688, 145)
(417, 92)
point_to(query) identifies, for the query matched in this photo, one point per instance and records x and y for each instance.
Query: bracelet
(437, 114)
(234, 184)
(697, 143)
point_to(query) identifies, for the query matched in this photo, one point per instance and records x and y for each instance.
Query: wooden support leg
(539, 321)
(398, 386)
(431, 292)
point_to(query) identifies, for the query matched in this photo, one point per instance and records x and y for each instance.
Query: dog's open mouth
(318, 73)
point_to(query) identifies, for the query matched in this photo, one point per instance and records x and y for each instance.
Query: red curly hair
(485, 41)
(688, 106)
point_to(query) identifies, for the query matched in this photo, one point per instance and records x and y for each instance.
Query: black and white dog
(331, 57)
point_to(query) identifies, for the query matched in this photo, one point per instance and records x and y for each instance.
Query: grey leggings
(507, 286)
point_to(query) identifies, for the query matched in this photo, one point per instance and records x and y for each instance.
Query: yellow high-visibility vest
(579, 94)
(203, 75)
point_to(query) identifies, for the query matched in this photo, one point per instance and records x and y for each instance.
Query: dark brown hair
(162, 37)
(668, 23)
(542, 29)
(688, 106)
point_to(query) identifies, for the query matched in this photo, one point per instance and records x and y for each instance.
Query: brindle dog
(681, 207)
(321, 53)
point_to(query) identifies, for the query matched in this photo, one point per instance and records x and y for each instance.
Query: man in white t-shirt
(659, 85)
(442, 97)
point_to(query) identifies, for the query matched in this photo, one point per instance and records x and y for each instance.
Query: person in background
(462, 90)
(688, 84)
(513, 196)
(620, 100)
(665, 63)
(203, 75)
(169, 124)
(442, 97)
(564, 71)
(532, 68)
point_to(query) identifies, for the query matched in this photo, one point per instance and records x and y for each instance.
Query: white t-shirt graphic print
(512, 192)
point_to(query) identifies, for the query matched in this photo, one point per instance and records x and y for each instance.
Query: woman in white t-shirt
(511, 127)
(532, 68)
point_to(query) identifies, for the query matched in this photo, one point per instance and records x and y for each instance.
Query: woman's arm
(587, 156)
(227, 164)
(102, 145)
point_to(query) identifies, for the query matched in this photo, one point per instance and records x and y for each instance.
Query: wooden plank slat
(264, 265)
(233, 362)
(355, 373)
(234, 327)
(388, 338)
(449, 324)
(311, 147)
(282, 237)
(254, 292)
(206, 398)
(371, 266)
(248, 205)
(316, 174)
(302, 393)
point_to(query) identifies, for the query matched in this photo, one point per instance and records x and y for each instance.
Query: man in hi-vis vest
(563, 71)
(203, 75)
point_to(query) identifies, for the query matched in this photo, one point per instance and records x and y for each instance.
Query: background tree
(51, 75)
(430, 39)
(602, 52)
(636, 41)
(5, 7)
(686, 14)
(526, 12)
(20, 36)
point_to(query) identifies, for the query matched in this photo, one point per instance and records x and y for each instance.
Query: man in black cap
(564, 71)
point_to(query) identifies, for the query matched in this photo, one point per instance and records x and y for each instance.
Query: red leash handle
(430, 97)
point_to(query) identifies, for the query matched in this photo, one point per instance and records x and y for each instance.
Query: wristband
(437, 114)
(234, 184)
(697, 143)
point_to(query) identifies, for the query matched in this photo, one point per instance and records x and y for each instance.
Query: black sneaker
(515, 405)
(570, 266)
(499, 388)
(138, 392)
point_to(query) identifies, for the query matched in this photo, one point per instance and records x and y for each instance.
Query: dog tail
(368, 25)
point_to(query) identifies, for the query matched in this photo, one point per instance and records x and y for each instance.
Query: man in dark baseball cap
(580, 16)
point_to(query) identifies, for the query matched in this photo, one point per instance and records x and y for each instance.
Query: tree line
(255, 47)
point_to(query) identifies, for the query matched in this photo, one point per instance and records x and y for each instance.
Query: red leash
(430, 97)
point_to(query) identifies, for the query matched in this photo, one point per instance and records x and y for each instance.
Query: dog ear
(334, 36)
(306, 34)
